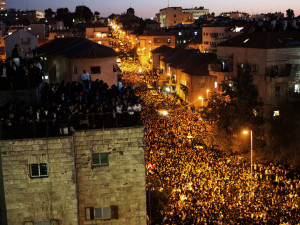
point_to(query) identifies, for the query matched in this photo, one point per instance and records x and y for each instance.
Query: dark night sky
(148, 8)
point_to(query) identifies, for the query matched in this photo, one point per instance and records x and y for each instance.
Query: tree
(83, 14)
(96, 15)
(49, 13)
(64, 15)
(233, 111)
(290, 13)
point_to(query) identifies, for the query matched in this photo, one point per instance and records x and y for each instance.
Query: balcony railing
(65, 127)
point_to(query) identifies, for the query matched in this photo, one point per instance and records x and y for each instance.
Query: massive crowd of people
(201, 184)
(66, 107)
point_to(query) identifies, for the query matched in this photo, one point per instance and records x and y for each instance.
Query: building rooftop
(162, 49)
(75, 48)
(264, 40)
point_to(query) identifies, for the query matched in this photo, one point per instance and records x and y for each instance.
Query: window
(100, 159)
(174, 15)
(174, 21)
(216, 84)
(254, 68)
(179, 33)
(202, 85)
(297, 88)
(102, 213)
(277, 88)
(75, 70)
(38, 170)
(169, 40)
(276, 113)
(95, 70)
(99, 42)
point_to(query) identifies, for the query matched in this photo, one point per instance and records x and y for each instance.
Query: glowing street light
(201, 100)
(251, 138)
(207, 93)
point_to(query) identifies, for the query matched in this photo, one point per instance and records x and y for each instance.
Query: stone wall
(121, 183)
(73, 183)
(39, 199)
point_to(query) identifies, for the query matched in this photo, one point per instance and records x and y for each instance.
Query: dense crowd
(198, 184)
(27, 75)
(202, 185)
(66, 107)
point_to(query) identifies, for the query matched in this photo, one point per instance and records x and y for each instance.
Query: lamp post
(251, 138)
(207, 93)
(201, 100)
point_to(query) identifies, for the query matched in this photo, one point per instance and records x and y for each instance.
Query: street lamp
(207, 93)
(251, 137)
(201, 100)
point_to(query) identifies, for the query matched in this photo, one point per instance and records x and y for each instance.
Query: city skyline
(147, 9)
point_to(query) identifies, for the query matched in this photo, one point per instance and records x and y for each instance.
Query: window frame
(99, 159)
(92, 70)
(39, 170)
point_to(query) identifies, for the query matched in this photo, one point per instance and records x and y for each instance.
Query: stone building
(170, 16)
(93, 177)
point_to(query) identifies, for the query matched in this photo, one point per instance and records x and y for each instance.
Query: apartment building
(212, 35)
(274, 58)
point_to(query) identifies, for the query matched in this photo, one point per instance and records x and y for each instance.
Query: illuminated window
(216, 84)
(99, 42)
(100, 159)
(95, 70)
(179, 33)
(297, 88)
(276, 113)
(184, 41)
(169, 40)
(29, 28)
(38, 170)
(196, 33)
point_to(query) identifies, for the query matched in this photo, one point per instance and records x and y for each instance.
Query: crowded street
(190, 183)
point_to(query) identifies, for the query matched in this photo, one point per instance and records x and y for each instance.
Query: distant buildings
(235, 15)
(197, 12)
(170, 16)
(150, 40)
(98, 33)
(3, 5)
(214, 34)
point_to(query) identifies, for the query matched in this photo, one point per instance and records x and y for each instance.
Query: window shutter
(89, 213)
(114, 212)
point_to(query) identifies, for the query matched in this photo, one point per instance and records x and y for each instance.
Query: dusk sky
(148, 8)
